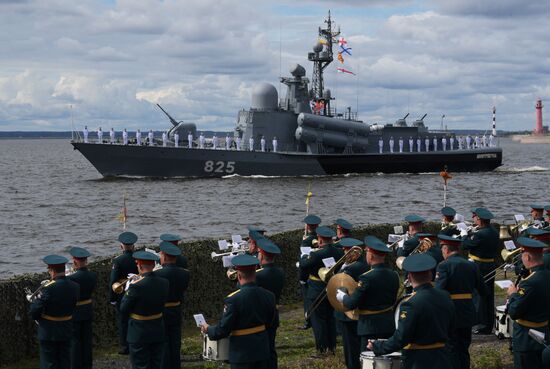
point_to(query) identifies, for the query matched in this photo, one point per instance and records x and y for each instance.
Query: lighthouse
(538, 126)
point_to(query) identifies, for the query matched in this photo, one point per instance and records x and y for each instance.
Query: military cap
(325, 231)
(532, 231)
(426, 235)
(448, 211)
(444, 239)
(419, 263)
(170, 237)
(268, 246)
(376, 244)
(350, 242)
(55, 259)
(413, 218)
(127, 238)
(145, 255)
(531, 243)
(255, 235)
(79, 252)
(536, 207)
(169, 248)
(344, 223)
(547, 208)
(483, 213)
(312, 219)
(255, 229)
(245, 261)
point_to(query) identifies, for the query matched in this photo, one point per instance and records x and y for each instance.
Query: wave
(534, 168)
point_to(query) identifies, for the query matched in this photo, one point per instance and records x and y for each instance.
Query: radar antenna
(321, 57)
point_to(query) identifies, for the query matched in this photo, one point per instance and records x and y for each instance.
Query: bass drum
(391, 361)
(215, 350)
(506, 329)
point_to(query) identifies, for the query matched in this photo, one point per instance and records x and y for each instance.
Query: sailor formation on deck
(431, 324)
(435, 144)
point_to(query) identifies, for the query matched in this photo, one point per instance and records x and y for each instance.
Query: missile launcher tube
(330, 138)
(332, 124)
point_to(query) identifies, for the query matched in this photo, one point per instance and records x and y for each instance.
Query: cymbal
(337, 281)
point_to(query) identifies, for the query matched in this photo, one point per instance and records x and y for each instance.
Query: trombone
(509, 258)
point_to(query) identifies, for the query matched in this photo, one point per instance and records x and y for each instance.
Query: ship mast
(321, 57)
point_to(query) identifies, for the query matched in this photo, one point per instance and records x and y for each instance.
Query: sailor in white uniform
(238, 143)
(227, 142)
(176, 139)
(251, 143)
(85, 134)
(189, 140)
(468, 142)
(214, 142)
(164, 139)
(452, 143)
(477, 142)
(125, 137)
(418, 144)
(435, 143)
(112, 135)
(151, 137)
(262, 143)
(138, 137)
(274, 143)
(484, 141)
(201, 141)
(444, 143)
(391, 144)
(380, 145)
(427, 143)
(460, 142)
(411, 144)
(99, 135)
(400, 144)
(491, 141)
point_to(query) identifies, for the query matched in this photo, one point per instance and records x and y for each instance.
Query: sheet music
(222, 244)
(227, 261)
(236, 238)
(459, 218)
(329, 262)
(519, 218)
(509, 245)
(305, 250)
(504, 284)
(397, 230)
(394, 237)
(199, 319)
(461, 226)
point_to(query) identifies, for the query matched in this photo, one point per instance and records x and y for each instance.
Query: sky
(67, 64)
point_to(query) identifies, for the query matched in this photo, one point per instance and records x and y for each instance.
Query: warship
(300, 135)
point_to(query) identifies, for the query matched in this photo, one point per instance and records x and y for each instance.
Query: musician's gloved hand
(463, 232)
(340, 295)
(113, 303)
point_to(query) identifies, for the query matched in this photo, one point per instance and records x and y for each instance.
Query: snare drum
(503, 330)
(215, 350)
(391, 361)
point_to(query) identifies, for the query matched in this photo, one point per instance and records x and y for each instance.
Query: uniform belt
(56, 318)
(529, 324)
(172, 304)
(461, 296)
(429, 346)
(481, 260)
(145, 317)
(314, 278)
(83, 302)
(247, 331)
(374, 312)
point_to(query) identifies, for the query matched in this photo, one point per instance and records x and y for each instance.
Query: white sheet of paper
(462, 226)
(222, 244)
(519, 217)
(394, 237)
(504, 284)
(151, 251)
(459, 218)
(227, 261)
(329, 262)
(509, 245)
(398, 230)
(305, 250)
(199, 319)
(236, 238)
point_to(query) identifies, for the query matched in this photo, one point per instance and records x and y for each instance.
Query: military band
(311, 222)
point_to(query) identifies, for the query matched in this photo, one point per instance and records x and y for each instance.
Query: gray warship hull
(167, 162)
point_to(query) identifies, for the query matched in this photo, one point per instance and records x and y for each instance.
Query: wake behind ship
(297, 136)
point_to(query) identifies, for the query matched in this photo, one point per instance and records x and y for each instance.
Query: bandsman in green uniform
(343, 228)
(247, 317)
(178, 280)
(123, 265)
(415, 227)
(528, 305)
(322, 318)
(542, 235)
(348, 327)
(143, 306)
(254, 234)
(375, 295)
(460, 278)
(435, 250)
(310, 235)
(547, 210)
(425, 320)
(272, 278)
(537, 213)
(53, 310)
(81, 345)
(482, 247)
(175, 239)
(447, 226)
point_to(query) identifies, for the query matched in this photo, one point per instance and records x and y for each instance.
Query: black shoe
(483, 331)
(124, 351)
(305, 326)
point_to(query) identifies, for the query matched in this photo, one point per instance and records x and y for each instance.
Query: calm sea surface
(51, 198)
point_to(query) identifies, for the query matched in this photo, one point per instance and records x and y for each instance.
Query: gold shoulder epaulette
(49, 283)
(259, 270)
(233, 293)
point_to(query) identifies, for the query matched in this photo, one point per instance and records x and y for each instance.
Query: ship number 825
(211, 166)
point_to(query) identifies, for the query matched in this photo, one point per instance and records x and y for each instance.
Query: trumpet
(424, 245)
(231, 274)
(214, 255)
(118, 286)
(403, 237)
(31, 296)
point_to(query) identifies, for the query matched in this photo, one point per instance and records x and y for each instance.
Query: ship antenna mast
(321, 57)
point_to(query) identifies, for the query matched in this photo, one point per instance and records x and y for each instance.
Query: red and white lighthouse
(538, 127)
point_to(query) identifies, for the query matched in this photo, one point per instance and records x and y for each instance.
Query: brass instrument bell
(504, 233)
(231, 274)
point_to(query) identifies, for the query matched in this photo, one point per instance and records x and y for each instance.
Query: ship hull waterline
(167, 162)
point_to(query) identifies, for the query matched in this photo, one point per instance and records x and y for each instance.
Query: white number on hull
(219, 166)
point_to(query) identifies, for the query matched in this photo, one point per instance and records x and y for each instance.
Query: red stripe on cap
(376, 251)
(145, 262)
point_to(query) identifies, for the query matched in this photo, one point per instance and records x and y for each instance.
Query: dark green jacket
(58, 300)
(354, 270)
(457, 275)
(181, 261)
(546, 255)
(87, 282)
(272, 278)
(178, 281)
(122, 266)
(426, 317)
(408, 246)
(249, 307)
(306, 242)
(145, 297)
(482, 244)
(530, 305)
(377, 290)
(450, 230)
(313, 263)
